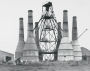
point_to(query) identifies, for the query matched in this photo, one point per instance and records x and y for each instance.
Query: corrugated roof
(6, 52)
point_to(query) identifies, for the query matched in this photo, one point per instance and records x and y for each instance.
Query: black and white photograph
(44, 35)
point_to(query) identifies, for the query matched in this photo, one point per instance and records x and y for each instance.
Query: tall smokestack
(75, 44)
(74, 28)
(65, 23)
(65, 51)
(21, 30)
(30, 22)
(20, 45)
(30, 26)
(30, 51)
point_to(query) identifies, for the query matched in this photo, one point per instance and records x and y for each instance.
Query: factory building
(85, 54)
(50, 41)
(6, 57)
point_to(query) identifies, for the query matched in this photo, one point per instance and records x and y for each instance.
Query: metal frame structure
(48, 34)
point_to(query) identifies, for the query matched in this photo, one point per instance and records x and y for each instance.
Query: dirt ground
(46, 67)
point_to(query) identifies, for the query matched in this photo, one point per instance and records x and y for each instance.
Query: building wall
(85, 54)
(4, 54)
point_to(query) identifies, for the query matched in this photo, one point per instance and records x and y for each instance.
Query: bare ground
(46, 67)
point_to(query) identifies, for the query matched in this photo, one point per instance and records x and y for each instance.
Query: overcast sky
(11, 10)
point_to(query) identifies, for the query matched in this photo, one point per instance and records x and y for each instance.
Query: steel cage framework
(48, 33)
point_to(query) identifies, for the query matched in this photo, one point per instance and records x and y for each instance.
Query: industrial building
(6, 57)
(85, 54)
(51, 43)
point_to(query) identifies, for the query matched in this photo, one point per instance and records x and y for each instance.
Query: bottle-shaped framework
(48, 32)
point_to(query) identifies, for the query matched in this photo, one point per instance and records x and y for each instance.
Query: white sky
(11, 10)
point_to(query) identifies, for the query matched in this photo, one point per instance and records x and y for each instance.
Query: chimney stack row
(66, 51)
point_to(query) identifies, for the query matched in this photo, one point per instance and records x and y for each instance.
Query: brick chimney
(65, 23)
(74, 28)
(20, 46)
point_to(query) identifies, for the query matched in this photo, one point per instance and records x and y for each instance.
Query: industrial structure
(85, 55)
(51, 43)
(65, 51)
(21, 42)
(30, 50)
(6, 57)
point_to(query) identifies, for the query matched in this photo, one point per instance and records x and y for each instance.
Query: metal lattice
(48, 32)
